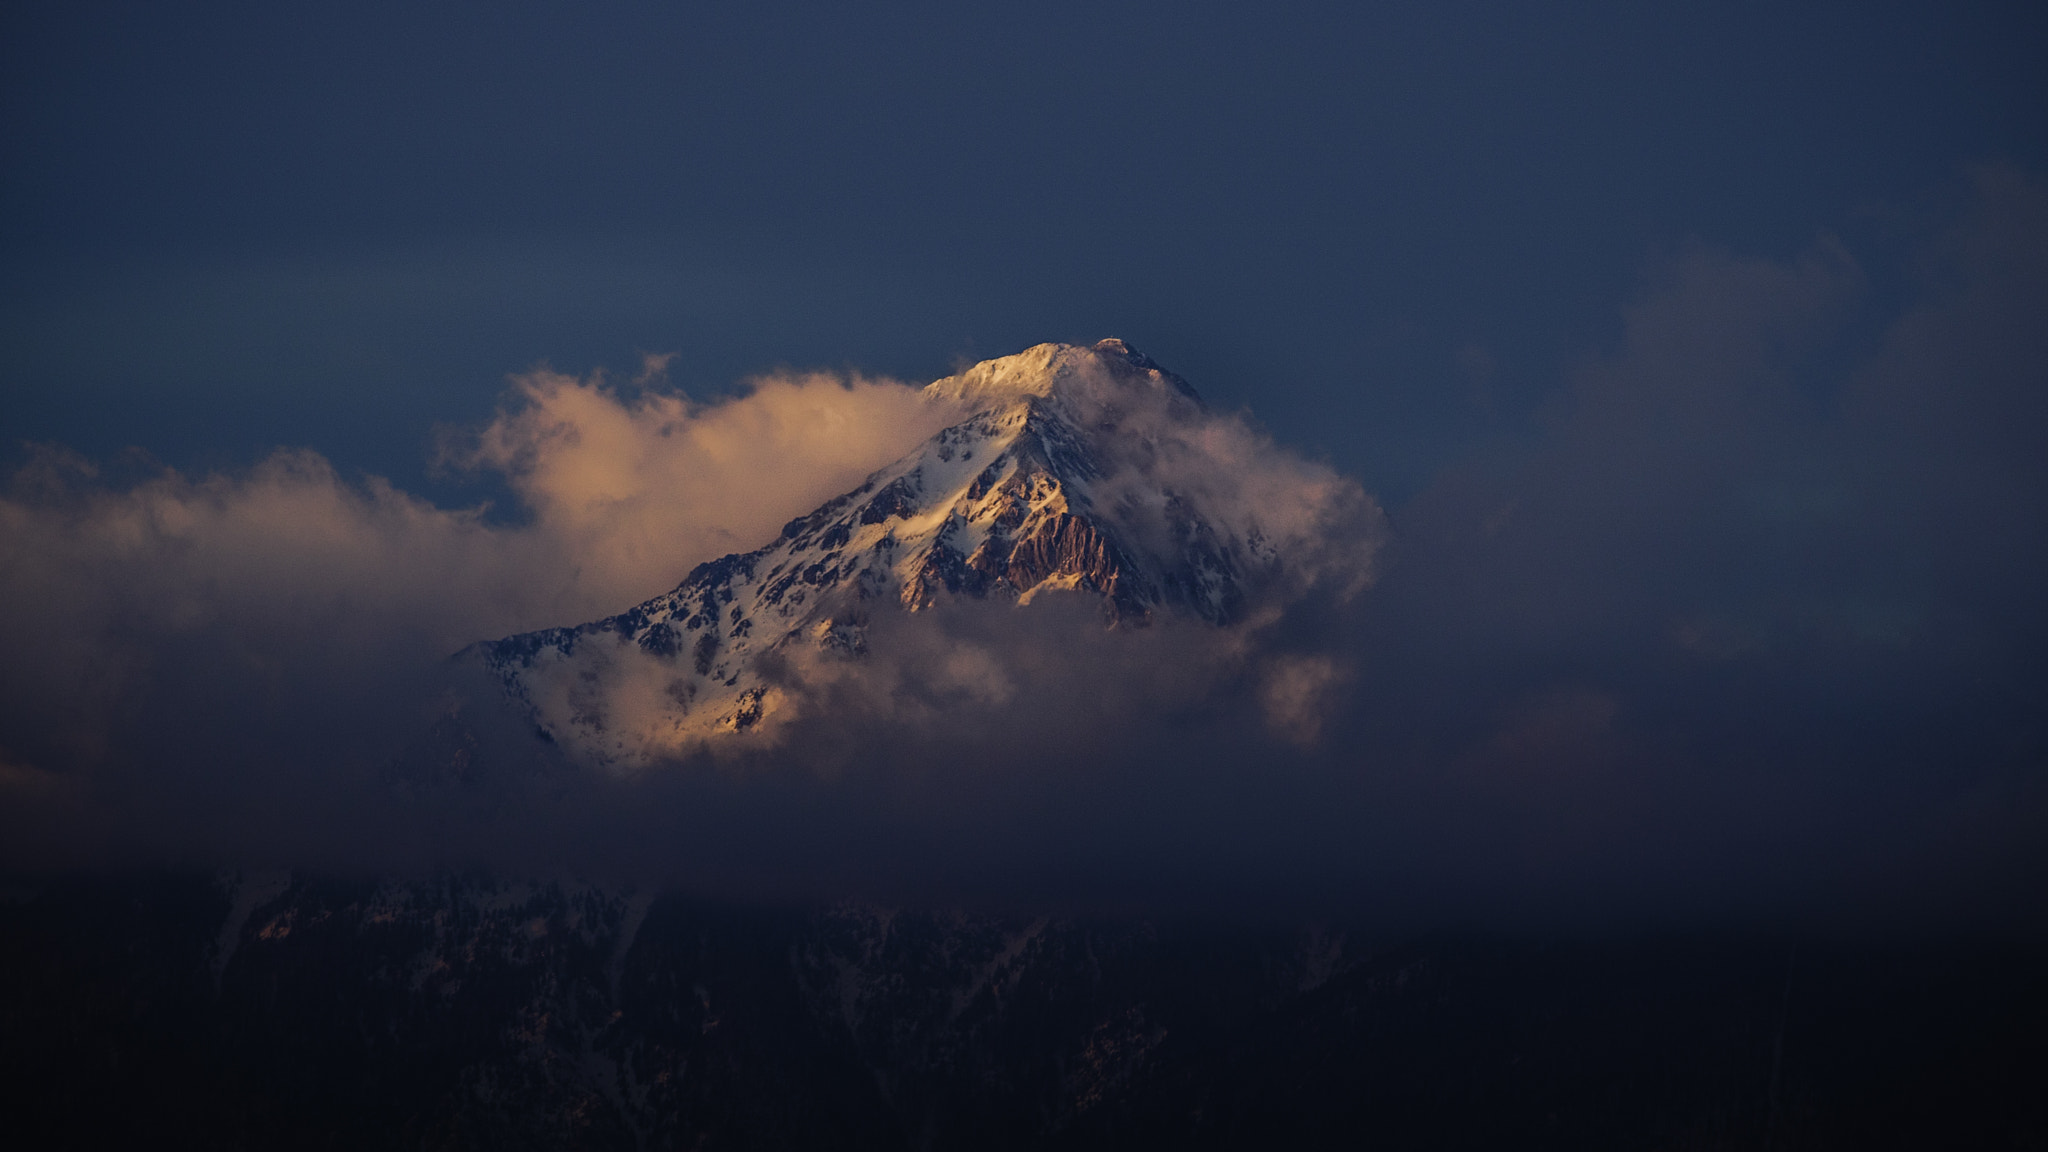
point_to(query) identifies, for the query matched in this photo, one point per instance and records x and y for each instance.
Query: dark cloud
(1749, 628)
(1759, 621)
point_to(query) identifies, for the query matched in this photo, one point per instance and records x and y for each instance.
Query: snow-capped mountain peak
(1093, 376)
(1086, 470)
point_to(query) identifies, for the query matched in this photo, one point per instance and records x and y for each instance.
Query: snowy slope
(1082, 469)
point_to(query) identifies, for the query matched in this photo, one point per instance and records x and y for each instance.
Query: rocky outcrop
(1010, 501)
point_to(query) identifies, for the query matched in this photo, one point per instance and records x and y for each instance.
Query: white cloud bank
(289, 564)
(289, 589)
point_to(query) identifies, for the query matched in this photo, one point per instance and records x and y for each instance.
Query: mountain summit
(1086, 470)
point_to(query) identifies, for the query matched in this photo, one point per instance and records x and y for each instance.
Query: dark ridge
(1129, 354)
(460, 1012)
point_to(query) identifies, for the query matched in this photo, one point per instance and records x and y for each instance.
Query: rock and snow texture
(1081, 469)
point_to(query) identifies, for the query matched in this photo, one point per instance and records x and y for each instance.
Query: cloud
(1748, 625)
(1289, 530)
(636, 489)
(203, 605)
(1755, 613)
(254, 664)
(1296, 694)
(623, 493)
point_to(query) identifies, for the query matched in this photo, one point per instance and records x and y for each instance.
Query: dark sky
(1389, 229)
(1698, 355)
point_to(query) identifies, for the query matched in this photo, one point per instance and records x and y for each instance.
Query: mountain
(1088, 470)
(298, 1011)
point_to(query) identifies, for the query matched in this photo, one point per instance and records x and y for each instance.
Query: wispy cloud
(1752, 622)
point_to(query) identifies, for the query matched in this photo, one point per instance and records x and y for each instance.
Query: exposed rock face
(1058, 476)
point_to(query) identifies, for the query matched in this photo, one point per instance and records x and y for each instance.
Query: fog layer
(1750, 626)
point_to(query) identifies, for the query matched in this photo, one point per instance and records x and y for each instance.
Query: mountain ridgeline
(1080, 470)
(267, 1010)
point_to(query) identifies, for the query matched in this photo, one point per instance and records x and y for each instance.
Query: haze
(1696, 358)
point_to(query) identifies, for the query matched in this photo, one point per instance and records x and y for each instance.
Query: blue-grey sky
(1698, 355)
(1389, 229)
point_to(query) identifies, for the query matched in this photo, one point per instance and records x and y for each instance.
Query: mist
(1745, 628)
